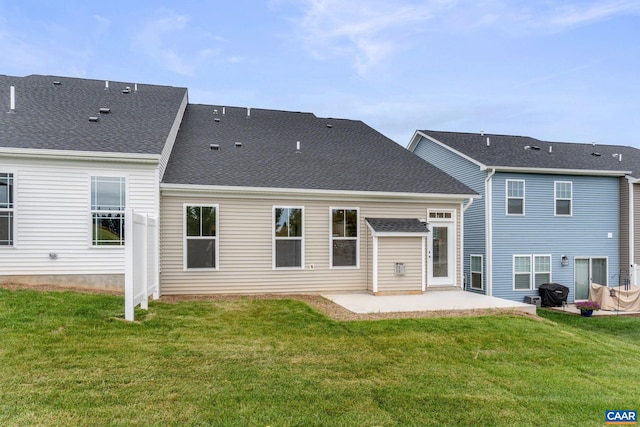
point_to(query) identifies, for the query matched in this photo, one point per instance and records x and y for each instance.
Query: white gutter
(588, 172)
(36, 153)
(489, 229)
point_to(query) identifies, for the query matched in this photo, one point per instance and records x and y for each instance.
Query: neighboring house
(260, 200)
(550, 212)
(74, 153)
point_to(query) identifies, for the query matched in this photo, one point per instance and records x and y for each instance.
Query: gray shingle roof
(335, 154)
(397, 225)
(519, 151)
(56, 116)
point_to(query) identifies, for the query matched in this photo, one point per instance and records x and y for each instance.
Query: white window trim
(126, 201)
(556, 198)
(471, 271)
(524, 197)
(532, 270)
(274, 238)
(13, 209)
(184, 236)
(332, 238)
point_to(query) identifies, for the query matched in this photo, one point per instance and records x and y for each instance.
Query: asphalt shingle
(335, 154)
(397, 225)
(56, 115)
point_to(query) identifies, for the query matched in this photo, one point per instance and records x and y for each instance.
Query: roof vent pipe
(223, 110)
(135, 87)
(248, 112)
(106, 85)
(620, 157)
(12, 100)
(550, 149)
(481, 132)
(488, 142)
(298, 146)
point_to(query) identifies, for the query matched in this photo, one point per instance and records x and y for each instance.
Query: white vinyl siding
(515, 197)
(563, 198)
(476, 272)
(531, 271)
(345, 235)
(52, 200)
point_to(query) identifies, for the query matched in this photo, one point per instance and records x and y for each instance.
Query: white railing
(141, 277)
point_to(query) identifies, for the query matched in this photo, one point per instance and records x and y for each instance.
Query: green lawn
(69, 359)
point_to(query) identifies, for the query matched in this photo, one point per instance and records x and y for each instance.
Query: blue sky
(554, 70)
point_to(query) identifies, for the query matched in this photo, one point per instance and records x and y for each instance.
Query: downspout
(463, 210)
(632, 257)
(489, 229)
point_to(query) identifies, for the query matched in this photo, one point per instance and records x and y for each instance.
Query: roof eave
(557, 171)
(233, 191)
(36, 153)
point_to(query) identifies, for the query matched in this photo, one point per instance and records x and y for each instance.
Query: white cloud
(172, 42)
(368, 31)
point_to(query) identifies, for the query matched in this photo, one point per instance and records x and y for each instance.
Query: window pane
(108, 229)
(193, 220)
(522, 264)
(515, 206)
(282, 222)
(6, 228)
(542, 278)
(351, 223)
(563, 190)
(599, 271)
(521, 281)
(6, 190)
(208, 221)
(295, 222)
(542, 264)
(344, 253)
(107, 193)
(289, 253)
(476, 263)
(201, 253)
(338, 220)
(515, 189)
(476, 280)
(563, 207)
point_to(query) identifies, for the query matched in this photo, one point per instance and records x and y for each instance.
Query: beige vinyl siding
(400, 249)
(246, 238)
(52, 214)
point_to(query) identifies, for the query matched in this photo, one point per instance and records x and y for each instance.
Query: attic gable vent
(214, 147)
(93, 119)
(105, 110)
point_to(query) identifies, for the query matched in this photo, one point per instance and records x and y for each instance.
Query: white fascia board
(550, 171)
(416, 138)
(36, 153)
(399, 234)
(260, 192)
(632, 180)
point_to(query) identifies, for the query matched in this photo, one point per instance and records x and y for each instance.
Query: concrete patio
(365, 303)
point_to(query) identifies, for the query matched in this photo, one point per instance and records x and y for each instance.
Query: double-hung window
(108, 202)
(476, 272)
(288, 237)
(531, 271)
(201, 237)
(563, 198)
(515, 197)
(6, 209)
(344, 237)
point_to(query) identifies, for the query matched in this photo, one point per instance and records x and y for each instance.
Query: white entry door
(441, 254)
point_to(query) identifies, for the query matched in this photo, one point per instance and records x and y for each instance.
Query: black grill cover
(553, 294)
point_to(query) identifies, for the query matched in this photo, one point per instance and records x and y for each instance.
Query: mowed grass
(69, 358)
